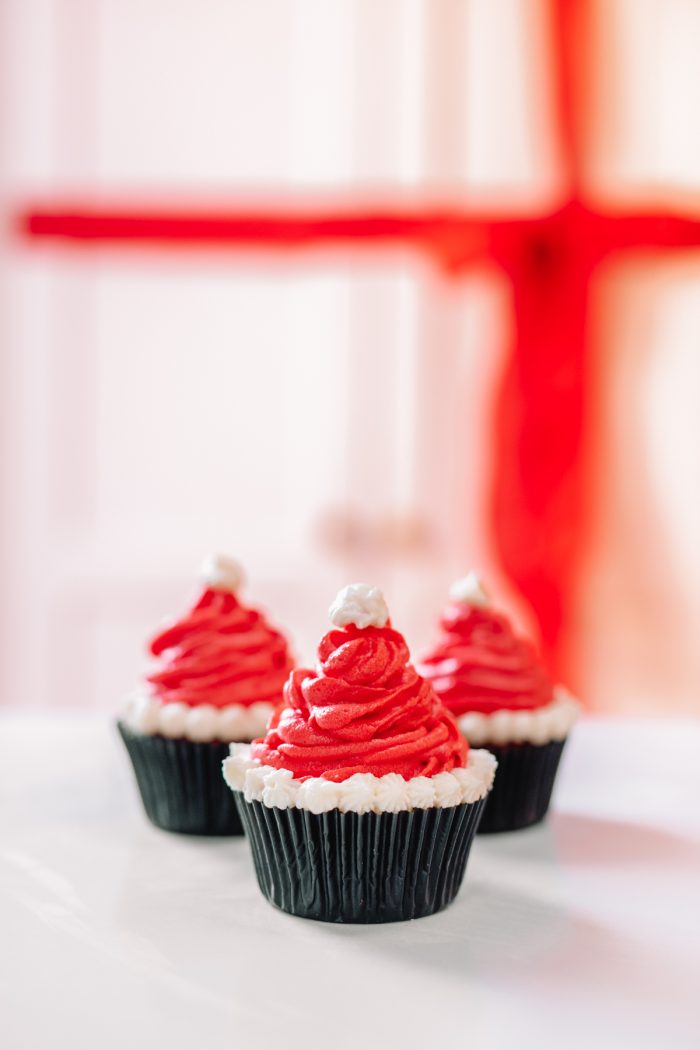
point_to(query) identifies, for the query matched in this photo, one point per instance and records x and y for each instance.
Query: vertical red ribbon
(538, 504)
(538, 500)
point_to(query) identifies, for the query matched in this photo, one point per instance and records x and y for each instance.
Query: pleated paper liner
(522, 790)
(181, 785)
(352, 868)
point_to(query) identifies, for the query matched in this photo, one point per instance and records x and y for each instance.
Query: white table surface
(582, 932)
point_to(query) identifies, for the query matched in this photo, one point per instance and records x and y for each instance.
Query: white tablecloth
(584, 932)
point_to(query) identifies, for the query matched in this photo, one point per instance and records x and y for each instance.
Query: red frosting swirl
(220, 653)
(365, 710)
(479, 664)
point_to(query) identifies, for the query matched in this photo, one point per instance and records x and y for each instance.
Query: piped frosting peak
(220, 652)
(479, 664)
(365, 709)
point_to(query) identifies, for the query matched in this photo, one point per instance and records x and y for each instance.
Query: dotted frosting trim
(541, 725)
(360, 793)
(203, 723)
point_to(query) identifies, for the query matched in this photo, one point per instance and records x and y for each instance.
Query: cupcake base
(352, 868)
(523, 786)
(181, 785)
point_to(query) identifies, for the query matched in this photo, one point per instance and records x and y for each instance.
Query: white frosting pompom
(470, 590)
(221, 573)
(359, 604)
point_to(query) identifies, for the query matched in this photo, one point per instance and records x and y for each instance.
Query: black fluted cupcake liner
(522, 790)
(181, 785)
(360, 868)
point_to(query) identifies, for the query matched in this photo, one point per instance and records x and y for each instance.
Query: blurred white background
(327, 417)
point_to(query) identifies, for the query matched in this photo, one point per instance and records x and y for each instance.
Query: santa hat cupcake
(493, 683)
(362, 799)
(220, 673)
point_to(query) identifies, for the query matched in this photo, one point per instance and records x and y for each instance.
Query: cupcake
(494, 685)
(220, 673)
(361, 801)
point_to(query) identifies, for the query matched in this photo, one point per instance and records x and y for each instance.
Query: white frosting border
(360, 793)
(540, 725)
(148, 716)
